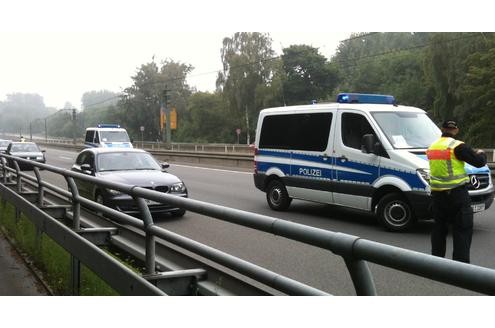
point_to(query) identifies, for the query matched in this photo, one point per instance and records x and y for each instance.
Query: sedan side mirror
(165, 165)
(86, 168)
(43, 151)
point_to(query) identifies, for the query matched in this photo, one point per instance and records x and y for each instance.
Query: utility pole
(46, 132)
(74, 126)
(167, 136)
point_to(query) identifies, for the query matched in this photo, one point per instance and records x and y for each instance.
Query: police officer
(448, 182)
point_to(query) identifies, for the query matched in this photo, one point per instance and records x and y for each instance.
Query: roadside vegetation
(451, 75)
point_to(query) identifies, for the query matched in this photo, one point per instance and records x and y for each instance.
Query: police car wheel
(178, 213)
(394, 212)
(277, 197)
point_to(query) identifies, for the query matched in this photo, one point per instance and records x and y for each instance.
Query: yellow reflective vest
(446, 171)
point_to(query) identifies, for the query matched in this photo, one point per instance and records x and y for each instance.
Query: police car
(107, 135)
(363, 152)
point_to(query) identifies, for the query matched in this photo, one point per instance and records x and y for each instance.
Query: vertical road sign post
(142, 136)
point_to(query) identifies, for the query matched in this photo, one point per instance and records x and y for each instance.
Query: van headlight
(424, 174)
(178, 187)
(39, 158)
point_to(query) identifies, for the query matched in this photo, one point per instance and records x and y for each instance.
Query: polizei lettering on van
(310, 172)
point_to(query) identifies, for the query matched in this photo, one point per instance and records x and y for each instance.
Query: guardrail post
(41, 189)
(76, 205)
(362, 279)
(149, 238)
(76, 223)
(4, 170)
(19, 178)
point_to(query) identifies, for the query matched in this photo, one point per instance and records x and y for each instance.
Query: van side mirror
(369, 144)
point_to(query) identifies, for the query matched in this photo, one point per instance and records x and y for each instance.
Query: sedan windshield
(24, 148)
(126, 161)
(406, 130)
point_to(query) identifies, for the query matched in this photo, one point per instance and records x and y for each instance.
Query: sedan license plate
(478, 207)
(151, 202)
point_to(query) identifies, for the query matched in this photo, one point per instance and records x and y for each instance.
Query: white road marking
(207, 168)
(63, 157)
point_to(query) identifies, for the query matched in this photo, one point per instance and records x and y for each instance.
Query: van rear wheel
(277, 197)
(395, 213)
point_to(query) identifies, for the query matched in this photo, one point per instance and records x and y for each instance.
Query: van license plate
(478, 207)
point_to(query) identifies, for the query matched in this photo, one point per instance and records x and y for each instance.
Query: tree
(140, 104)
(208, 120)
(247, 60)
(308, 75)
(477, 93)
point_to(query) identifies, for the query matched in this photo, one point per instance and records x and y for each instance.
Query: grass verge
(48, 257)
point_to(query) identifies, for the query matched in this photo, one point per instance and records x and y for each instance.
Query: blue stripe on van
(369, 174)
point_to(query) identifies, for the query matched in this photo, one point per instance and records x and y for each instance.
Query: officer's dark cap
(449, 124)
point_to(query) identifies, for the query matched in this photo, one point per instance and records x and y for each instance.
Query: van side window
(308, 132)
(354, 127)
(89, 136)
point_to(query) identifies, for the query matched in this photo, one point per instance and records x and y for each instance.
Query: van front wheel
(277, 196)
(395, 213)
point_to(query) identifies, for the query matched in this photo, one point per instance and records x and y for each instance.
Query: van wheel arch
(276, 195)
(393, 210)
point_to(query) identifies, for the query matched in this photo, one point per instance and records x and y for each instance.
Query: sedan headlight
(178, 187)
(114, 192)
(39, 158)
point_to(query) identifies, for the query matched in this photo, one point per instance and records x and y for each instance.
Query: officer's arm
(465, 153)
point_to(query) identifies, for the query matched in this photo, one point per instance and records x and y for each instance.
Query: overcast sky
(61, 66)
(60, 49)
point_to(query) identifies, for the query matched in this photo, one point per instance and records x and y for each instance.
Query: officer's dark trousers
(452, 208)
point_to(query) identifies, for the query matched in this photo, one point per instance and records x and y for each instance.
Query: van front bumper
(421, 202)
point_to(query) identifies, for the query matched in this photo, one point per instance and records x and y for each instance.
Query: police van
(363, 152)
(107, 135)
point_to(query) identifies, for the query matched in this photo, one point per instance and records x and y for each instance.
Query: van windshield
(114, 136)
(407, 130)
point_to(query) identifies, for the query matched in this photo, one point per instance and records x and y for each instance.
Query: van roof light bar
(363, 98)
(108, 125)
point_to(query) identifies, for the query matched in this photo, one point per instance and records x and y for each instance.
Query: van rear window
(296, 131)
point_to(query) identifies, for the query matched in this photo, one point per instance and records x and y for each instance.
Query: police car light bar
(362, 98)
(105, 125)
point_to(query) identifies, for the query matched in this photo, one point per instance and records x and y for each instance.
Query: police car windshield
(114, 136)
(406, 130)
(123, 161)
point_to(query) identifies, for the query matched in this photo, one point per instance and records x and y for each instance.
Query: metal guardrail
(355, 251)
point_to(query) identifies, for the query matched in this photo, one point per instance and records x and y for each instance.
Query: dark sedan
(25, 150)
(129, 166)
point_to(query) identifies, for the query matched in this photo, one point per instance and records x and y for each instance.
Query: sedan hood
(144, 178)
(28, 154)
